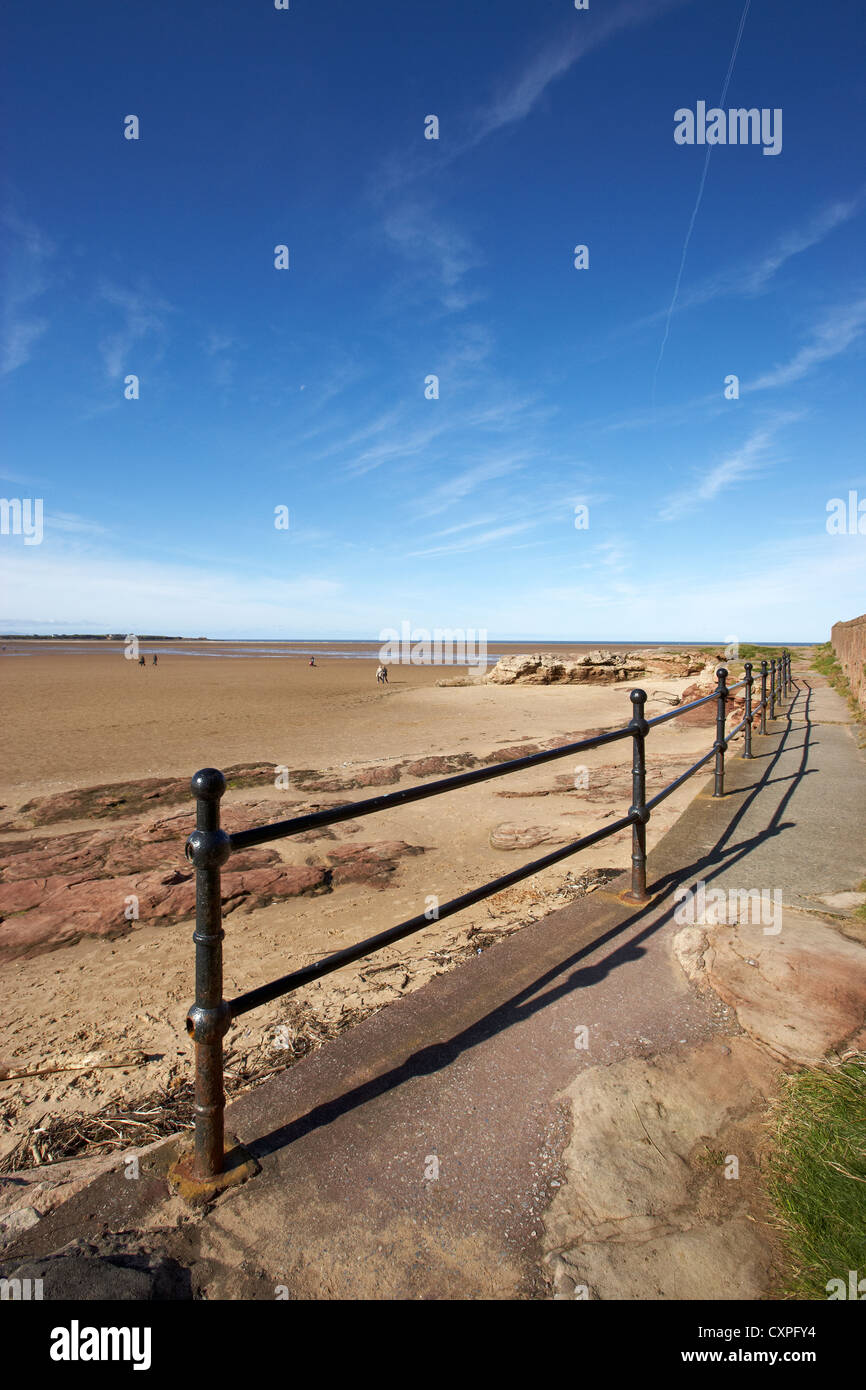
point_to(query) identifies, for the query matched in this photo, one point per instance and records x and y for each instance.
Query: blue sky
(305, 388)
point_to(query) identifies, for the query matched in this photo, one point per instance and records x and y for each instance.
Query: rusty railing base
(633, 899)
(238, 1166)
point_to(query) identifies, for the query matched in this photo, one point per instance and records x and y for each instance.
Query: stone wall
(849, 644)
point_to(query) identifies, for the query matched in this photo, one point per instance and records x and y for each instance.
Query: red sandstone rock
(309, 779)
(55, 911)
(370, 864)
(101, 854)
(113, 799)
(378, 776)
(258, 887)
(518, 750)
(800, 993)
(22, 894)
(440, 765)
(704, 714)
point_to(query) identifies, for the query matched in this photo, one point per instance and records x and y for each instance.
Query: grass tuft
(816, 1174)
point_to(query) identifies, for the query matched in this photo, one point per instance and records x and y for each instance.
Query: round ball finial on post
(208, 784)
(208, 847)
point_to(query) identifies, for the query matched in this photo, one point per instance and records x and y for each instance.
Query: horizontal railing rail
(243, 839)
(209, 847)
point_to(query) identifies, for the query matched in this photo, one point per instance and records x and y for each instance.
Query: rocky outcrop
(598, 667)
(508, 755)
(705, 715)
(64, 911)
(115, 799)
(310, 780)
(372, 865)
(544, 668)
(660, 663)
(441, 765)
(705, 684)
(54, 891)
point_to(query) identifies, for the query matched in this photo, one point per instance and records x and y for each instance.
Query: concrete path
(419, 1154)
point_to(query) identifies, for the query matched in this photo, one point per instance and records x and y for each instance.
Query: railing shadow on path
(549, 986)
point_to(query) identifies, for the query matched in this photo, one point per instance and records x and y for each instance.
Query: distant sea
(345, 651)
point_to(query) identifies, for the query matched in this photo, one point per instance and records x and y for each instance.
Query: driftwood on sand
(75, 1061)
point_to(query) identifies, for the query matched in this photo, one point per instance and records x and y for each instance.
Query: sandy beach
(313, 737)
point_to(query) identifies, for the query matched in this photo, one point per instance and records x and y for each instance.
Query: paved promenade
(417, 1155)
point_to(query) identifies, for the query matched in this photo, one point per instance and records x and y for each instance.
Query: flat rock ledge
(800, 993)
(647, 1211)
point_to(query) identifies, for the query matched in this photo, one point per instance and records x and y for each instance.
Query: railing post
(208, 848)
(721, 742)
(788, 682)
(772, 687)
(763, 697)
(747, 728)
(638, 809)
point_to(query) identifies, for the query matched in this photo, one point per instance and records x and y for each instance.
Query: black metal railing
(209, 847)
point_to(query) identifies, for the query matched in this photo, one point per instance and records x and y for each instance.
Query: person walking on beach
(155, 658)
(382, 675)
(141, 661)
(312, 661)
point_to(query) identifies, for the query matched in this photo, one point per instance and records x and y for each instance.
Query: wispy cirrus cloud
(463, 484)
(830, 338)
(752, 458)
(519, 92)
(143, 315)
(413, 226)
(70, 522)
(27, 255)
(438, 251)
(420, 428)
(216, 342)
(480, 541)
(406, 444)
(752, 277)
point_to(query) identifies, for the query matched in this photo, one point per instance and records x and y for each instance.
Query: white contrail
(673, 302)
